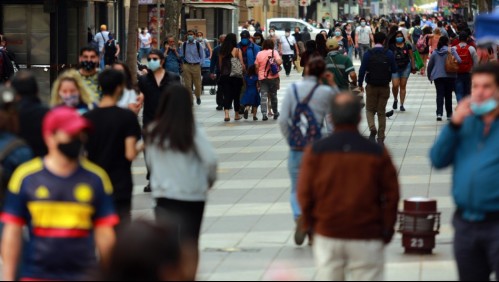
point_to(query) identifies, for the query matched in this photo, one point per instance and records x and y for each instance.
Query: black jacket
(31, 114)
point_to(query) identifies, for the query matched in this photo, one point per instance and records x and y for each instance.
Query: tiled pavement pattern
(248, 227)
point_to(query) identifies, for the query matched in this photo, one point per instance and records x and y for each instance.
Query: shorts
(403, 74)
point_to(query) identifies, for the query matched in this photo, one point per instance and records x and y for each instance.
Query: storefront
(222, 16)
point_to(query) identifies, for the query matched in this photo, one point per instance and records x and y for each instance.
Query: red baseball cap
(65, 119)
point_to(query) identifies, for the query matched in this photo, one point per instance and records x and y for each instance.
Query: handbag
(418, 61)
(451, 64)
(236, 68)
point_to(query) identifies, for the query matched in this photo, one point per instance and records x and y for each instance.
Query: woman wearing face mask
(258, 38)
(70, 90)
(145, 40)
(320, 42)
(350, 39)
(205, 44)
(342, 41)
(406, 64)
(130, 100)
(274, 38)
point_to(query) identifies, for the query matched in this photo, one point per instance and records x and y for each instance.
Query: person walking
(111, 51)
(215, 72)
(277, 41)
(377, 68)
(101, 38)
(312, 100)
(444, 81)
(183, 168)
(130, 99)
(231, 79)
(65, 202)
(363, 38)
(268, 63)
(251, 99)
(341, 66)
(434, 40)
(310, 51)
(112, 143)
(342, 41)
(208, 51)
(288, 50)
(173, 59)
(352, 216)
(423, 46)
(145, 44)
(193, 56)
(69, 90)
(89, 71)
(469, 57)
(469, 144)
(405, 65)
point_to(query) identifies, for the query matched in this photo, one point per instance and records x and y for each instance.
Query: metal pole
(158, 7)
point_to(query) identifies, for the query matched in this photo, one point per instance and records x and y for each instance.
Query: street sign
(304, 3)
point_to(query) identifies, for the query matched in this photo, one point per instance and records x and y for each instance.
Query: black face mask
(72, 149)
(88, 65)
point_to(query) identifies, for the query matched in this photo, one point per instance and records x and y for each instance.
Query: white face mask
(272, 33)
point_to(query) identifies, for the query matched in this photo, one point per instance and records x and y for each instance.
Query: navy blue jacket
(367, 57)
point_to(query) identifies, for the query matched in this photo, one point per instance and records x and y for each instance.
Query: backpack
(303, 127)
(416, 34)
(110, 48)
(8, 149)
(198, 45)
(402, 57)
(422, 43)
(467, 61)
(379, 68)
(6, 67)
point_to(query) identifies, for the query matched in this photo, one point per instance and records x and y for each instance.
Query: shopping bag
(418, 60)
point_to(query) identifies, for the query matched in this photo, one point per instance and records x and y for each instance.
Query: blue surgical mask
(484, 108)
(245, 41)
(258, 41)
(363, 24)
(400, 40)
(154, 65)
(190, 38)
(337, 33)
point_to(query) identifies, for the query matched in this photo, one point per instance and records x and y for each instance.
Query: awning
(212, 6)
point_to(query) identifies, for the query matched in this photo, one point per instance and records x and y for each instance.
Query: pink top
(261, 61)
(434, 42)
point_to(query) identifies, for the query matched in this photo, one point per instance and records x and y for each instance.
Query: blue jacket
(250, 55)
(367, 57)
(214, 69)
(436, 66)
(475, 160)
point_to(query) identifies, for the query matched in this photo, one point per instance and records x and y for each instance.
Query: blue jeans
(351, 50)
(463, 86)
(143, 52)
(294, 164)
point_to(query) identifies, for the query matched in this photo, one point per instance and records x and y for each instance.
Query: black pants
(123, 209)
(220, 94)
(185, 216)
(476, 248)
(287, 60)
(231, 89)
(445, 87)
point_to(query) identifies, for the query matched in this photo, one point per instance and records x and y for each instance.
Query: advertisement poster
(155, 24)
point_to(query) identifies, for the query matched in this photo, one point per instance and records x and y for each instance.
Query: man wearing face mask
(363, 38)
(65, 202)
(288, 49)
(89, 63)
(250, 49)
(258, 38)
(273, 36)
(193, 56)
(470, 144)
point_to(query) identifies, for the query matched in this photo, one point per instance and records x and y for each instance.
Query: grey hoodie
(436, 66)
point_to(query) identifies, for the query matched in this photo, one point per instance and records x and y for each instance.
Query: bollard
(419, 224)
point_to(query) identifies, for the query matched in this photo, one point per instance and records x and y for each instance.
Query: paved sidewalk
(248, 227)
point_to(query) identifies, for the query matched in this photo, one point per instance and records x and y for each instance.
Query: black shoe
(241, 111)
(147, 189)
(245, 114)
(300, 235)
(198, 101)
(402, 109)
(276, 116)
(265, 118)
(389, 114)
(255, 118)
(395, 105)
(372, 137)
(220, 108)
(439, 118)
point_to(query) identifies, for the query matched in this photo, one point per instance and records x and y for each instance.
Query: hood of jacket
(442, 51)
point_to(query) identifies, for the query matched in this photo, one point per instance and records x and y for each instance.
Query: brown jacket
(348, 188)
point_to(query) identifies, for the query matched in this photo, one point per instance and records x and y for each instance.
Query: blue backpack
(303, 128)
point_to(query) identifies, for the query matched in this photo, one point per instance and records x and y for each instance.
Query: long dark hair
(443, 41)
(321, 45)
(174, 120)
(229, 44)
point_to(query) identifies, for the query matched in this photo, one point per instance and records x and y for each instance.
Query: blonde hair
(75, 77)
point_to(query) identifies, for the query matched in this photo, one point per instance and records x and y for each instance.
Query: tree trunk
(133, 26)
(173, 9)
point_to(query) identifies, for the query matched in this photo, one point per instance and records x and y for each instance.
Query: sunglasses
(152, 59)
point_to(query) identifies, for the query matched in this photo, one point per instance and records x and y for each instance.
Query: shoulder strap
(291, 46)
(10, 147)
(336, 67)
(310, 95)
(198, 45)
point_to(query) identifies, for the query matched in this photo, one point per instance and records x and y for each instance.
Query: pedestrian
(248, 49)
(69, 90)
(111, 50)
(342, 41)
(305, 35)
(321, 45)
(193, 56)
(251, 99)
(288, 50)
(30, 111)
(268, 63)
(440, 26)
(89, 72)
(324, 34)
(310, 51)
(444, 82)
(416, 31)
(183, 168)
(423, 46)
(363, 38)
(469, 143)
(312, 100)
(173, 60)
(434, 40)
(8, 65)
(208, 51)
(363, 201)
(341, 66)
(404, 31)
(145, 252)
(231, 79)
(258, 39)
(145, 44)
(152, 87)
(65, 202)
(297, 35)
(380, 65)
(112, 143)
(469, 57)
(277, 41)
(405, 66)
(215, 72)
(101, 38)
(350, 38)
(390, 38)
(130, 100)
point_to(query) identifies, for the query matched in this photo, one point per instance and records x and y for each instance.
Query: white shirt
(129, 97)
(364, 34)
(144, 40)
(101, 38)
(287, 48)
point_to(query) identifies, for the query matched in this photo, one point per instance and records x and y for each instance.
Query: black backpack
(402, 57)
(5, 152)
(110, 48)
(379, 70)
